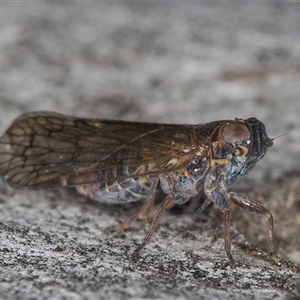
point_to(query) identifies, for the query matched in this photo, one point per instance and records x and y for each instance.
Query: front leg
(255, 208)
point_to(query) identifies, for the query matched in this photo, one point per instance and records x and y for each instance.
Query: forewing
(50, 150)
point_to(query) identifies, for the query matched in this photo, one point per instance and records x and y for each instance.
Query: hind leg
(145, 214)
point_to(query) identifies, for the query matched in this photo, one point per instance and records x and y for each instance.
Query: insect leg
(146, 209)
(256, 208)
(154, 222)
(227, 238)
(143, 214)
(202, 207)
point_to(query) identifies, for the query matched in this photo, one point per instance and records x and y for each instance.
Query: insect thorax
(185, 183)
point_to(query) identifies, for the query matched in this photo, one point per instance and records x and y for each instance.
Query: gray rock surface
(166, 61)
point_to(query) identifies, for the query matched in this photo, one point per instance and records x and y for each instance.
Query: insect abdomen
(126, 190)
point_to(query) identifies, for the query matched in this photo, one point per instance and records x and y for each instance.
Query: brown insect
(117, 161)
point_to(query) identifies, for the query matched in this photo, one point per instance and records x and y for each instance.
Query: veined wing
(51, 150)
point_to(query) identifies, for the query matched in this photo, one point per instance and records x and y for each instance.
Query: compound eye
(240, 150)
(235, 132)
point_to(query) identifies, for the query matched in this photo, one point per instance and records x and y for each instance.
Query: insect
(118, 161)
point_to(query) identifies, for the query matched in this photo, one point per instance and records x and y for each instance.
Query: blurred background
(162, 62)
(170, 62)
